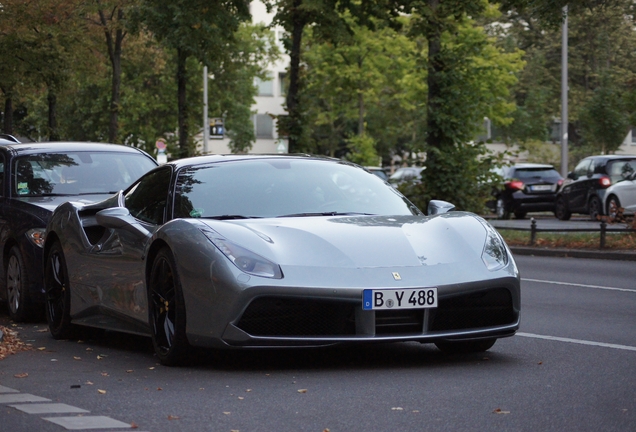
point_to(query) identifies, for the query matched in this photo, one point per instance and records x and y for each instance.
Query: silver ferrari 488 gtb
(276, 251)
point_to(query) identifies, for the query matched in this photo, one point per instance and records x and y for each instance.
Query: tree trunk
(181, 101)
(435, 67)
(7, 126)
(294, 120)
(114, 53)
(53, 132)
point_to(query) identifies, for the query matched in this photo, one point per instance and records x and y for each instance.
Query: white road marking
(577, 341)
(88, 422)
(48, 408)
(580, 285)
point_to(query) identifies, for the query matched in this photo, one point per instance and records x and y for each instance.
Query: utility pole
(564, 94)
(206, 121)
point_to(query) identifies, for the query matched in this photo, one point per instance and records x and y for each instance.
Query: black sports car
(34, 179)
(254, 251)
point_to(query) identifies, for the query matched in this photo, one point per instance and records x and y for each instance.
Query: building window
(282, 83)
(265, 87)
(264, 125)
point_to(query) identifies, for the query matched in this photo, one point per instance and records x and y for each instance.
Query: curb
(575, 253)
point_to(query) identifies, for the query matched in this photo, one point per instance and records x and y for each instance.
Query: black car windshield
(284, 187)
(77, 173)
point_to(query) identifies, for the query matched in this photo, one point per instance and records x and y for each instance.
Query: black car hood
(50, 203)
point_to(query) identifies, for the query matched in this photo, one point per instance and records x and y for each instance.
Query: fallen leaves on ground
(499, 411)
(101, 391)
(302, 391)
(21, 375)
(11, 344)
(171, 417)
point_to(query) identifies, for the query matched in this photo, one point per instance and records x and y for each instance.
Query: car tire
(520, 214)
(594, 208)
(166, 310)
(560, 210)
(501, 210)
(465, 347)
(613, 204)
(58, 294)
(21, 306)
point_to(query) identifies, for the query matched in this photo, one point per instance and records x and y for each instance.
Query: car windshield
(536, 173)
(77, 173)
(284, 187)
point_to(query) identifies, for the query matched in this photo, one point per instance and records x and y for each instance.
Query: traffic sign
(217, 128)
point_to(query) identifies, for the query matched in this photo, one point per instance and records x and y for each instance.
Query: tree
(201, 29)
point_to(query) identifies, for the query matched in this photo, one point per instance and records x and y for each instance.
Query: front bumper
(297, 321)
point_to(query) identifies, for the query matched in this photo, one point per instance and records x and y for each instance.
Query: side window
(582, 168)
(147, 199)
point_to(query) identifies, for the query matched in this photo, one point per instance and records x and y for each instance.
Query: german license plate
(413, 298)
(541, 188)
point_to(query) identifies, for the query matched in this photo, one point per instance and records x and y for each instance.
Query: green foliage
(463, 176)
(362, 150)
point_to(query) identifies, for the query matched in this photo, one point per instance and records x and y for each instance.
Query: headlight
(36, 235)
(495, 253)
(244, 259)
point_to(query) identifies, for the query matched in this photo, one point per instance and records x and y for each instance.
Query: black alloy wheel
(613, 206)
(560, 210)
(595, 208)
(502, 210)
(465, 347)
(520, 214)
(58, 294)
(21, 308)
(166, 310)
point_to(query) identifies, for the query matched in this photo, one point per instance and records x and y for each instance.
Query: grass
(613, 241)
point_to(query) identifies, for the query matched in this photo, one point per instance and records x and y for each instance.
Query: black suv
(585, 192)
(527, 187)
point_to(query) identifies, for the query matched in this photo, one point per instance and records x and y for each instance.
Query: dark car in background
(7, 139)
(527, 187)
(35, 178)
(586, 189)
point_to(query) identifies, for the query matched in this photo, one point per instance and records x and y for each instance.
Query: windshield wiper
(331, 213)
(228, 217)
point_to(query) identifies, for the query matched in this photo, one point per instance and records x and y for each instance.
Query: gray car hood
(360, 241)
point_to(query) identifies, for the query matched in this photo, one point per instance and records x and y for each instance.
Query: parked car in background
(586, 192)
(622, 194)
(379, 171)
(34, 179)
(251, 251)
(406, 174)
(527, 187)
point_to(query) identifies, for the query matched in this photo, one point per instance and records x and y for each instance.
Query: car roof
(66, 146)
(206, 159)
(611, 157)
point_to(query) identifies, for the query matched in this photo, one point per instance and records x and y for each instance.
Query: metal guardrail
(603, 230)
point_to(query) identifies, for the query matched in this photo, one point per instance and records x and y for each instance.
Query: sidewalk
(607, 254)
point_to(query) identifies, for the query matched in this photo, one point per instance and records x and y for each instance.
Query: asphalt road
(571, 367)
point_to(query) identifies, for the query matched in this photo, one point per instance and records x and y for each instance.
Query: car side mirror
(439, 207)
(572, 176)
(120, 218)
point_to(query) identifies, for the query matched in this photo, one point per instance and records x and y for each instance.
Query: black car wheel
(58, 294)
(613, 206)
(166, 309)
(501, 210)
(21, 308)
(594, 208)
(465, 347)
(560, 210)
(520, 214)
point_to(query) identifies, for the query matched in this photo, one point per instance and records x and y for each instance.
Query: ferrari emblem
(397, 276)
